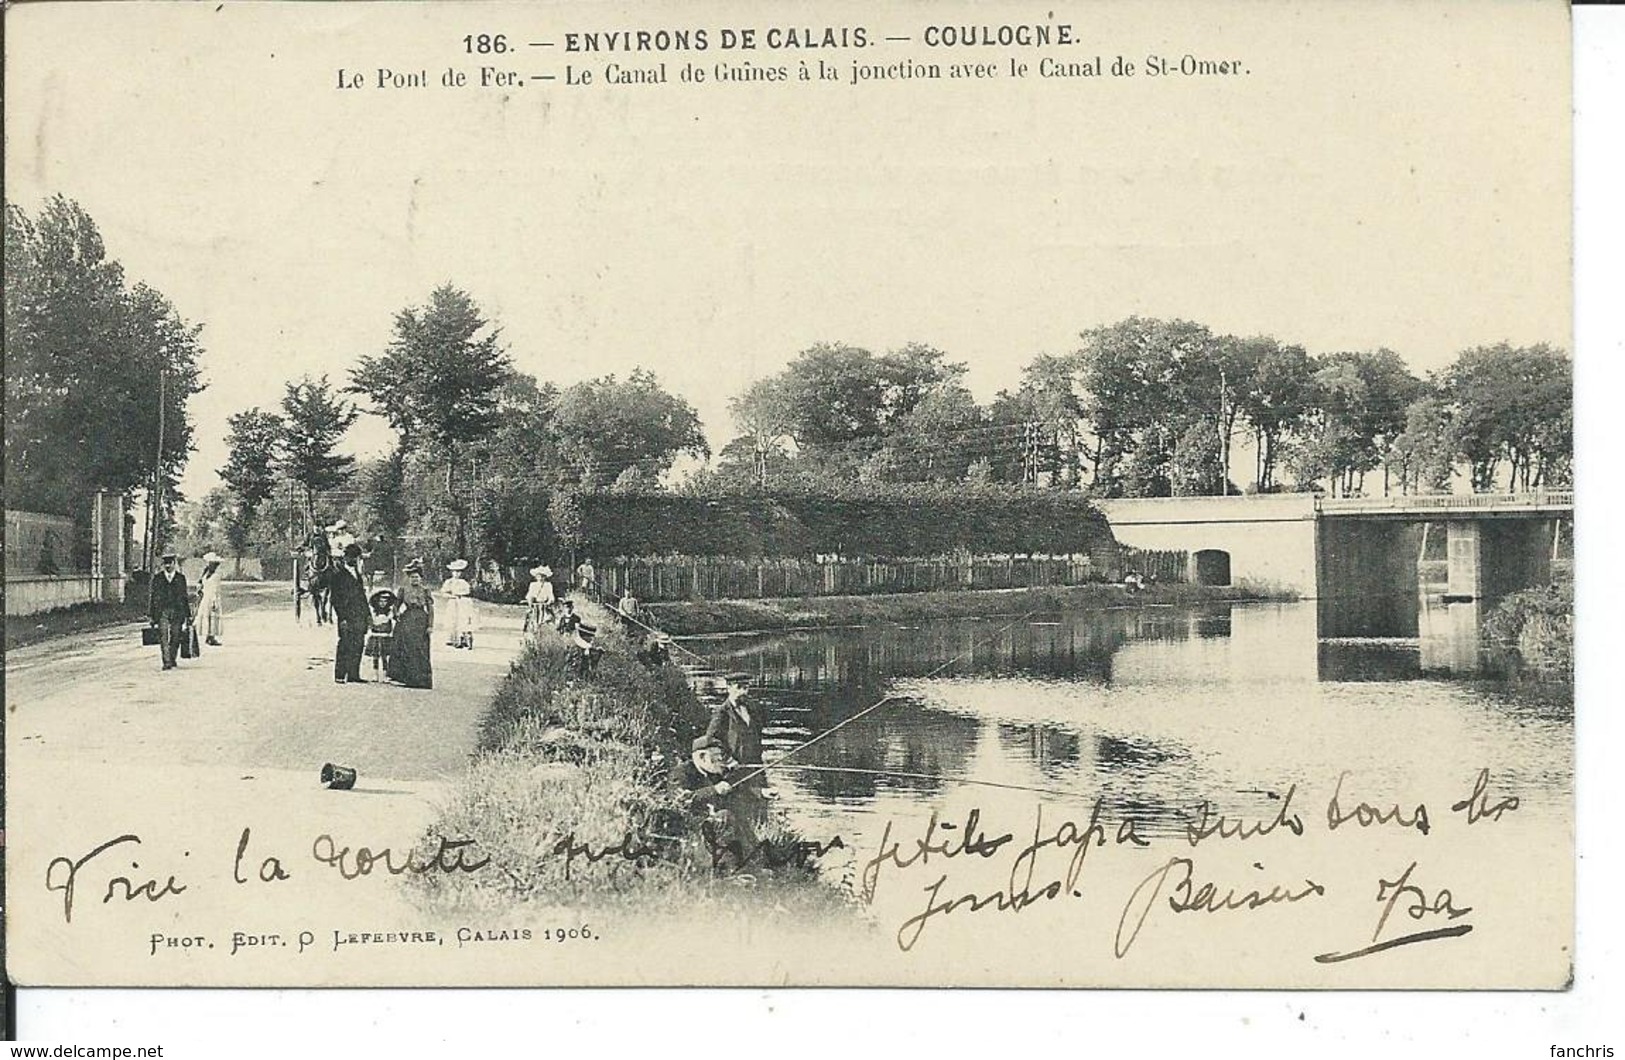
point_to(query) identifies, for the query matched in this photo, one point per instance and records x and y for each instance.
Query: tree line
(1151, 408)
(486, 458)
(99, 372)
(491, 461)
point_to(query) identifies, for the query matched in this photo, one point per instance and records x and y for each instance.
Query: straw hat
(212, 557)
(541, 572)
(457, 565)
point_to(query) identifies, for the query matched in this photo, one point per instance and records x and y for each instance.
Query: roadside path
(101, 743)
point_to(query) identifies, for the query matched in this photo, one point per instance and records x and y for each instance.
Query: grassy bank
(1537, 624)
(571, 764)
(23, 630)
(728, 616)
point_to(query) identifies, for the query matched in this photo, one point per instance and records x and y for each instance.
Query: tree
(1424, 453)
(843, 398)
(1274, 398)
(93, 367)
(939, 437)
(606, 426)
(439, 383)
(765, 419)
(1153, 389)
(439, 380)
(1513, 405)
(315, 419)
(206, 524)
(1360, 406)
(255, 442)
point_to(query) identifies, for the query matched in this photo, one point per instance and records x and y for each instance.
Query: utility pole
(1224, 433)
(155, 498)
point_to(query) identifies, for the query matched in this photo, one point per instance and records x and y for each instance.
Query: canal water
(1149, 711)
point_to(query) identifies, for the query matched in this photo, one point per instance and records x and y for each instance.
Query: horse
(313, 572)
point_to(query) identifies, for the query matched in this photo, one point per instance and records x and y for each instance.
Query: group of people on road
(394, 627)
(170, 608)
(397, 625)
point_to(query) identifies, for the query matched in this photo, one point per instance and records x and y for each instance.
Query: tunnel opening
(1212, 567)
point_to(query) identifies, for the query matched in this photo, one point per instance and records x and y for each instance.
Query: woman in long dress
(414, 625)
(209, 611)
(459, 606)
(540, 599)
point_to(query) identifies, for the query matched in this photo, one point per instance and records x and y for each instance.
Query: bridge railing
(1448, 502)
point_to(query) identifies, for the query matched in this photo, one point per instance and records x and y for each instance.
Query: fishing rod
(923, 776)
(760, 768)
(877, 704)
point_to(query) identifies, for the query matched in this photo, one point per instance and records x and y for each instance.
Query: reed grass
(1538, 624)
(568, 760)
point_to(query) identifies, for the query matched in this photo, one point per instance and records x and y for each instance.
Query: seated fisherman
(713, 799)
(583, 654)
(656, 650)
(703, 776)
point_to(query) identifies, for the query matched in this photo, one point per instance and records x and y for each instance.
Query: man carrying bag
(168, 608)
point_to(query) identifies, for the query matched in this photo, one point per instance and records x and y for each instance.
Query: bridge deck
(1451, 505)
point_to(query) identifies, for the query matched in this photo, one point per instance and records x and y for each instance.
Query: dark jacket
(701, 787)
(348, 594)
(743, 740)
(169, 596)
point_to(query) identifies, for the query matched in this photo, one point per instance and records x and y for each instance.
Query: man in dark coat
(169, 608)
(349, 595)
(734, 723)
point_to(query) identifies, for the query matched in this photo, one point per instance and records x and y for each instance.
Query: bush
(586, 761)
(882, 520)
(1538, 624)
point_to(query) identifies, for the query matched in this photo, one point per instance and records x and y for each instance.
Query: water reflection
(1149, 711)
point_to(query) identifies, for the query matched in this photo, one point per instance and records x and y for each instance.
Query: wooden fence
(1157, 565)
(668, 578)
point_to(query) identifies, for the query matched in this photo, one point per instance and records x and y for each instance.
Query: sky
(1384, 175)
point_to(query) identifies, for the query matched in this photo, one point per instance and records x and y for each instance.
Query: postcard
(723, 494)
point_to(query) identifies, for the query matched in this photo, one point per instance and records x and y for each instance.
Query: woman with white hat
(209, 611)
(459, 606)
(540, 599)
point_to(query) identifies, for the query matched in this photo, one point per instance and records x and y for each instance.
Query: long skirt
(460, 621)
(409, 655)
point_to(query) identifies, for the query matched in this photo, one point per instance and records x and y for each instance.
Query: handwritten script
(958, 869)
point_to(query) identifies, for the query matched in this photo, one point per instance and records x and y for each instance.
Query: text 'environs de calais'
(824, 39)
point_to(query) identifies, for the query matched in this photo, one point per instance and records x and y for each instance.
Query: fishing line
(876, 705)
(887, 698)
(928, 776)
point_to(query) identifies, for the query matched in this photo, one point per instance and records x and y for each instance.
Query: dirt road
(101, 743)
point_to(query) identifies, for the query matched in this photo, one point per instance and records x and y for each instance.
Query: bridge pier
(1465, 571)
(1367, 577)
(1490, 558)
